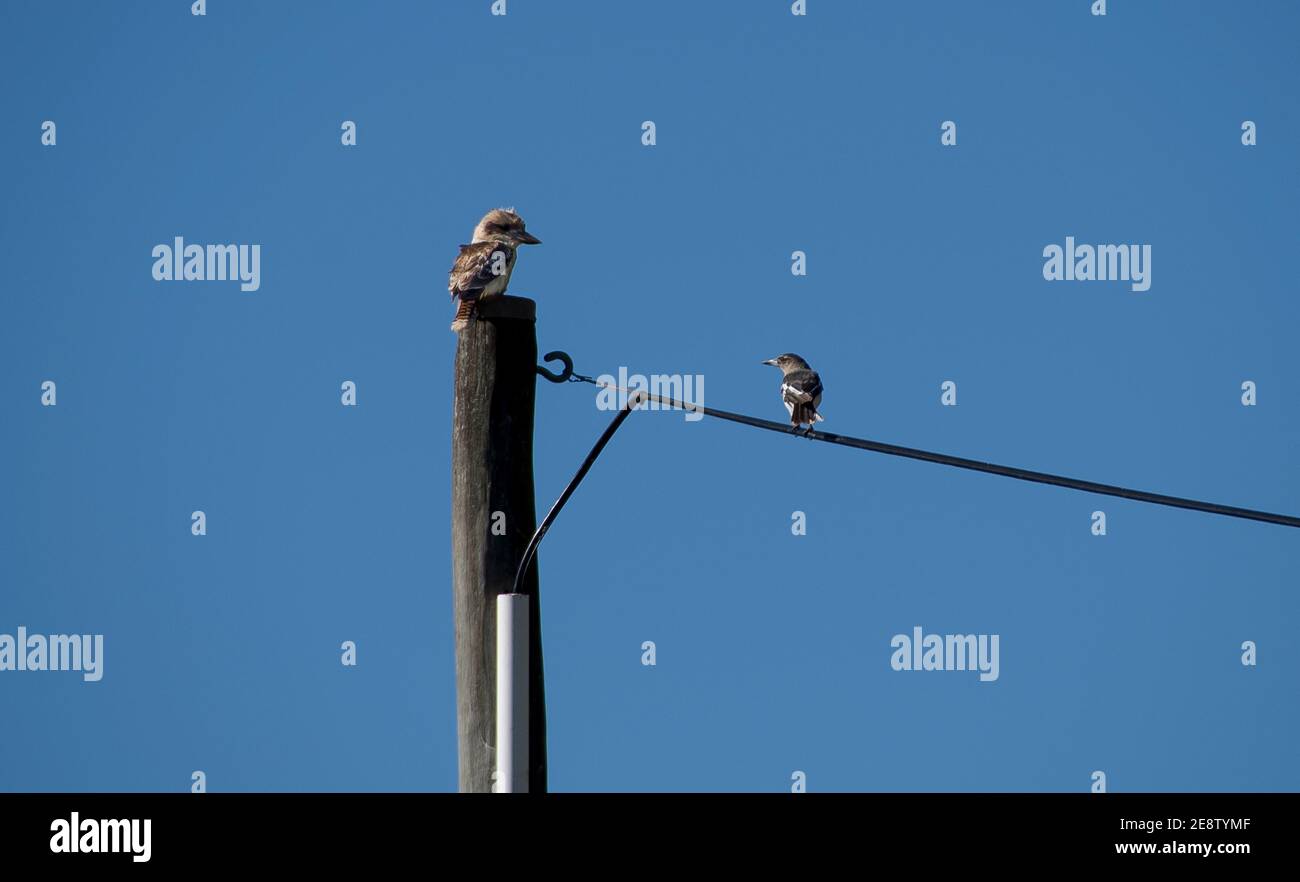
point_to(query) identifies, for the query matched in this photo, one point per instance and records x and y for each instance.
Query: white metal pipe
(512, 693)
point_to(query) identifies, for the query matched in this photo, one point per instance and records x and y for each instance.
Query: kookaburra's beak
(771, 361)
(525, 238)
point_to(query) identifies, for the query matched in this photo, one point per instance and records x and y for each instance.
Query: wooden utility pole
(492, 478)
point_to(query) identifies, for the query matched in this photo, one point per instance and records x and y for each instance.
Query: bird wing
(801, 386)
(472, 271)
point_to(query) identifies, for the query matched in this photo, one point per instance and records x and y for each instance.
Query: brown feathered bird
(483, 267)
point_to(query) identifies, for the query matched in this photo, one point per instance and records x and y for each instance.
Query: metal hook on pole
(563, 358)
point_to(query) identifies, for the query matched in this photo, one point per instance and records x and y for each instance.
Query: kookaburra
(484, 265)
(801, 389)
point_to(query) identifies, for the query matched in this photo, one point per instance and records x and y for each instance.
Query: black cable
(551, 515)
(971, 464)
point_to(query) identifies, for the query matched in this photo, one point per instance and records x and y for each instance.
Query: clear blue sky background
(1118, 653)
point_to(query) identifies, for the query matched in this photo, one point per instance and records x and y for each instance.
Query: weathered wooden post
(492, 480)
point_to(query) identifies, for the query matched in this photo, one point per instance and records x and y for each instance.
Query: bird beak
(527, 238)
(771, 361)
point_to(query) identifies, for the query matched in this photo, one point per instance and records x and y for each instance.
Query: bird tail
(463, 313)
(804, 413)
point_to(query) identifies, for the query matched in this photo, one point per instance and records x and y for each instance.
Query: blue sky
(775, 133)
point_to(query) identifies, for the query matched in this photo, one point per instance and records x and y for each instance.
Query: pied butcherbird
(801, 389)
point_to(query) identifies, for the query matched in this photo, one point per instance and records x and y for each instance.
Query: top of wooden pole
(507, 306)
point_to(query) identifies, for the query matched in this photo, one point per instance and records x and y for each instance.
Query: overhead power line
(940, 458)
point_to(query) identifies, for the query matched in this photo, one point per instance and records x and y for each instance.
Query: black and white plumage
(801, 389)
(483, 267)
